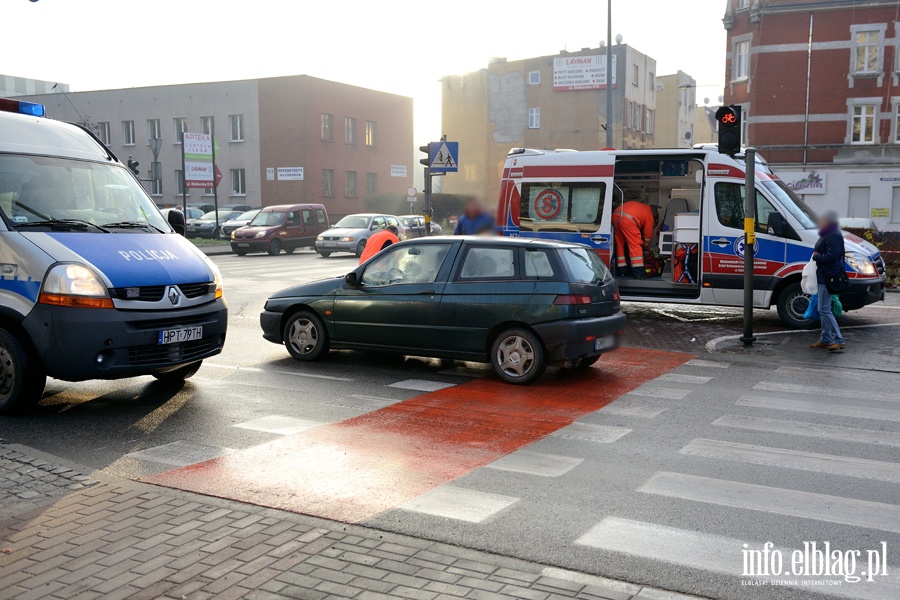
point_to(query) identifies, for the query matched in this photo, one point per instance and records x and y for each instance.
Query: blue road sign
(442, 157)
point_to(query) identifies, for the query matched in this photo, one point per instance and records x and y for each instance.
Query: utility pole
(749, 242)
(609, 77)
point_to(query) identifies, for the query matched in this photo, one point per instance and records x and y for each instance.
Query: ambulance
(94, 282)
(699, 241)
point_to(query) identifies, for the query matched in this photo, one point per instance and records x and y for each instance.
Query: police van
(94, 282)
(699, 241)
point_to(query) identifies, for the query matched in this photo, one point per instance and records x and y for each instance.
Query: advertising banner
(198, 161)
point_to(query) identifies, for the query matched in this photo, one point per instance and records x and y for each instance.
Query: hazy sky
(399, 46)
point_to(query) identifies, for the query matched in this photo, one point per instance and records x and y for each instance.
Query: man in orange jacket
(633, 223)
(378, 242)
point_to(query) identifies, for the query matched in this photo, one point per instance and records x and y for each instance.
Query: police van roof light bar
(22, 107)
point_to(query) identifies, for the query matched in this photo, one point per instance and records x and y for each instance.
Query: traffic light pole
(749, 243)
(427, 193)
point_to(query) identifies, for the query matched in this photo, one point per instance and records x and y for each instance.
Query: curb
(216, 250)
(712, 346)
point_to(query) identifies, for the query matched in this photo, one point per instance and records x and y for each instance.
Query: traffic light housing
(427, 150)
(729, 120)
(133, 165)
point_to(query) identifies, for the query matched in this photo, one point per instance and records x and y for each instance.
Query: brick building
(818, 84)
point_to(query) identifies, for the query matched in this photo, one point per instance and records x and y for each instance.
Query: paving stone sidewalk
(118, 539)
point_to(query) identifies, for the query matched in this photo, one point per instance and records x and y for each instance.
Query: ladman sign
(800, 182)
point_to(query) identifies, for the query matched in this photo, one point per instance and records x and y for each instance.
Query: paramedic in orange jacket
(633, 223)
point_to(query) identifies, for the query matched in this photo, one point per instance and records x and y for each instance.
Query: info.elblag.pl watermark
(815, 564)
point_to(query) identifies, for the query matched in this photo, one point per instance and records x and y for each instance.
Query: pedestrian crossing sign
(443, 157)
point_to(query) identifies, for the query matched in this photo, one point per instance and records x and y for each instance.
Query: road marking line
(536, 463)
(660, 392)
(796, 388)
(421, 385)
(716, 553)
(591, 432)
(784, 458)
(779, 501)
(180, 453)
(681, 378)
(627, 409)
(277, 371)
(822, 408)
(712, 364)
(279, 424)
(362, 402)
(462, 504)
(828, 432)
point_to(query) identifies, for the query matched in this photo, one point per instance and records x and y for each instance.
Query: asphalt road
(662, 485)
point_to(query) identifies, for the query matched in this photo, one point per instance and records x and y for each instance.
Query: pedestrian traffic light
(427, 150)
(133, 165)
(729, 120)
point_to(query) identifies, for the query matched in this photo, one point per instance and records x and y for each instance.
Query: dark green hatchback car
(519, 304)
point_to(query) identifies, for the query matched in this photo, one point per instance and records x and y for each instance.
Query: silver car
(230, 226)
(351, 233)
(414, 227)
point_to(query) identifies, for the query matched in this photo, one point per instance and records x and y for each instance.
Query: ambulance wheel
(275, 248)
(22, 377)
(305, 336)
(517, 356)
(360, 247)
(179, 374)
(792, 304)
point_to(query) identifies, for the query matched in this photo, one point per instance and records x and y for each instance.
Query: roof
(482, 240)
(24, 134)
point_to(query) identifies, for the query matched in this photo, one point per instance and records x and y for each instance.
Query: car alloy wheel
(518, 356)
(305, 336)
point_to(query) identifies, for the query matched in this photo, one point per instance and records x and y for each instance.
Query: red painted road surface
(352, 470)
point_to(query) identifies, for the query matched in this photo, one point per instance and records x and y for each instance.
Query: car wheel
(22, 377)
(586, 363)
(305, 336)
(274, 248)
(289, 250)
(517, 356)
(792, 304)
(215, 234)
(241, 252)
(360, 247)
(179, 374)
(324, 254)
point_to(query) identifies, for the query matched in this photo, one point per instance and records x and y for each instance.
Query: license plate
(330, 244)
(604, 342)
(185, 334)
(243, 245)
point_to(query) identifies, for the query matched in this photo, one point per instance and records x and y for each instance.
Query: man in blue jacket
(829, 257)
(475, 221)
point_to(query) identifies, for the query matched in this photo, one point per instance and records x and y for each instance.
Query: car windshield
(268, 219)
(38, 191)
(791, 202)
(408, 221)
(353, 222)
(247, 215)
(585, 266)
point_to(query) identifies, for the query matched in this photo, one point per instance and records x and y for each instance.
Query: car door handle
(426, 293)
(721, 242)
(599, 239)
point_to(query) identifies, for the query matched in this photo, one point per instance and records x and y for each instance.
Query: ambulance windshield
(791, 202)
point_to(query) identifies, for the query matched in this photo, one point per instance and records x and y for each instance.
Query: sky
(397, 46)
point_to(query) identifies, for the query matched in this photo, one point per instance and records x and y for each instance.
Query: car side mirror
(176, 220)
(351, 279)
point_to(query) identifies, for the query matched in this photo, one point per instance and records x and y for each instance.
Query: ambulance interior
(674, 187)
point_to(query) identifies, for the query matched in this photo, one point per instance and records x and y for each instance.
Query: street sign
(411, 192)
(442, 157)
(218, 177)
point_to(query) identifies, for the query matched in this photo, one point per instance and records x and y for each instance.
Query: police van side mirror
(176, 220)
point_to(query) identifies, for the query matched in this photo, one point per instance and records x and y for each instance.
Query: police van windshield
(38, 192)
(791, 202)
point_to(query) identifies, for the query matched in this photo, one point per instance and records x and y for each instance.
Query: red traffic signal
(729, 119)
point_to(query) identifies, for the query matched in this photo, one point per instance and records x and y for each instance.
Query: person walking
(378, 242)
(829, 258)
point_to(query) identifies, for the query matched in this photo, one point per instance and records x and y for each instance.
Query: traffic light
(427, 150)
(729, 119)
(133, 165)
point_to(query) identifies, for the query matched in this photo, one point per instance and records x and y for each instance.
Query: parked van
(699, 194)
(94, 282)
(283, 227)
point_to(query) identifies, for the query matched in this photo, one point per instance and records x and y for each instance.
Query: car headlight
(861, 264)
(347, 239)
(74, 285)
(217, 277)
(320, 238)
(232, 235)
(262, 234)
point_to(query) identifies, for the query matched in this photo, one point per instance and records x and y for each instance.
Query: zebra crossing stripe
(796, 388)
(815, 430)
(822, 408)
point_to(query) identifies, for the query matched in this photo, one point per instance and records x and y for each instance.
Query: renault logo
(174, 295)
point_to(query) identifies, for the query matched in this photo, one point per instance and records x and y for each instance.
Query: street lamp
(609, 76)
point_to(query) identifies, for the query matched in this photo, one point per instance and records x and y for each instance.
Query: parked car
(516, 303)
(241, 207)
(276, 228)
(242, 220)
(205, 226)
(414, 227)
(204, 208)
(857, 223)
(351, 233)
(192, 213)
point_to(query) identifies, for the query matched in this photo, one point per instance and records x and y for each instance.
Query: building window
(895, 205)
(350, 184)
(371, 184)
(180, 124)
(370, 133)
(534, 118)
(862, 124)
(629, 116)
(349, 130)
(740, 63)
(867, 51)
(128, 133)
(650, 123)
(155, 187)
(635, 75)
(651, 82)
(238, 182)
(895, 126)
(207, 125)
(638, 117)
(237, 128)
(328, 183)
(103, 132)
(179, 182)
(327, 127)
(153, 130)
(534, 78)
(743, 4)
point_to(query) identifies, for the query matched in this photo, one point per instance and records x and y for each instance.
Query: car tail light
(572, 299)
(616, 295)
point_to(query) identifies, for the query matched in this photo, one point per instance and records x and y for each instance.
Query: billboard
(198, 161)
(800, 182)
(581, 72)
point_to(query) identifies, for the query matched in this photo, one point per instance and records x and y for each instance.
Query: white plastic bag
(810, 281)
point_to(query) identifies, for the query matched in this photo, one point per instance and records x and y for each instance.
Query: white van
(94, 282)
(699, 193)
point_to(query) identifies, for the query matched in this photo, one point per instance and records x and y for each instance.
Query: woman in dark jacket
(829, 257)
